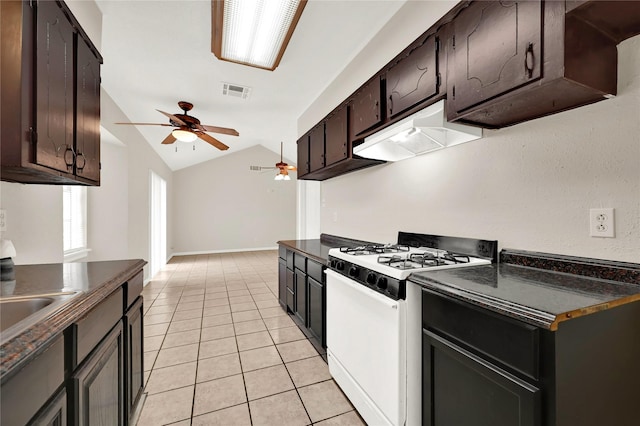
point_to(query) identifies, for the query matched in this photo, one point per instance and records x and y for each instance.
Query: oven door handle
(365, 291)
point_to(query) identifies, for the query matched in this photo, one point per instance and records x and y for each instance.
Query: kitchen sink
(18, 313)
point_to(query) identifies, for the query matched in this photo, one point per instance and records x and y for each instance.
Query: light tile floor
(219, 350)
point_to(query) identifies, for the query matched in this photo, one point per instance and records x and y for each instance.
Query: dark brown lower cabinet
(55, 413)
(133, 356)
(461, 389)
(98, 384)
(316, 304)
(282, 282)
(301, 296)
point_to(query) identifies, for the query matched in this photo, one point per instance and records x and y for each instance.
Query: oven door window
(462, 389)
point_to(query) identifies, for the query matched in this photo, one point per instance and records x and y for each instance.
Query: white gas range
(374, 329)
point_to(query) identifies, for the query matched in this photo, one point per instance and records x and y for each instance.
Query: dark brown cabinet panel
(414, 78)
(303, 155)
(133, 356)
(337, 136)
(366, 110)
(316, 304)
(485, 395)
(50, 96)
(496, 48)
(301, 296)
(291, 289)
(54, 89)
(87, 114)
(316, 148)
(98, 384)
(282, 282)
(54, 414)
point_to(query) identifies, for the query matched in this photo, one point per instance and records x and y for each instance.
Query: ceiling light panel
(254, 32)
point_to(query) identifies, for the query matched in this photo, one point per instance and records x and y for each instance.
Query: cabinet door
(316, 309)
(303, 155)
(336, 136)
(133, 356)
(98, 384)
(54, 414)
(496, 48)
(301, 296)
(365, 107)
(413, 79)
(87, 113)
(459, 388)
(54, 88)
(282, 282)
(291, 291)
(316, 148)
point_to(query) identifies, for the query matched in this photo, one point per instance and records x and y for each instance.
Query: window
(74, 207)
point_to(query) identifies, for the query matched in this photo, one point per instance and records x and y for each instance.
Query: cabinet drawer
(314, 270)
(509, 342)
(289, 259)
(134, 288)
(89, 330)
(28, 390)
(300, 262)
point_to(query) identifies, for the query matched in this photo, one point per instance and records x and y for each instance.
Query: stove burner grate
(375, 249)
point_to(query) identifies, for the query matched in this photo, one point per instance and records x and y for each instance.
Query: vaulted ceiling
(157, 53)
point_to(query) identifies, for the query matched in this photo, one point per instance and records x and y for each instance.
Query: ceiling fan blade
(216, 129)
(213, 141)
(147, 124)
(169, 139)
(173, 117)
(292, 168)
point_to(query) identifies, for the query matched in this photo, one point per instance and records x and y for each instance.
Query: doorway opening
(158, 224)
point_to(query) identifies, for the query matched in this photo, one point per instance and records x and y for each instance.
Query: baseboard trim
(192, 253)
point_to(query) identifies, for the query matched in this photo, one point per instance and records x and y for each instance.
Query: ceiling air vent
(235, 90)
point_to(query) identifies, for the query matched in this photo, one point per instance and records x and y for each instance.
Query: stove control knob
(382, 283)
(371, 278)
(353, 271)
(340, 265)
(333, 263)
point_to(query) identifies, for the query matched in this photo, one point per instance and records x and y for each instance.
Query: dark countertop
(318, 249)
(93, 280)
(538, 296)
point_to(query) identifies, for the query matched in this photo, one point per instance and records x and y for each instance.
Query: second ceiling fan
(188, 128)
(283, 168)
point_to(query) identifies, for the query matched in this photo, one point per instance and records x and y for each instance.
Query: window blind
(74, 218)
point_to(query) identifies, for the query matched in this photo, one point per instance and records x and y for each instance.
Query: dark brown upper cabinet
(54, 89)
(88, 114)
(316, 148)
(303, 155)
(496, 48)
(618, 19)
(502, 70)
(50, 96)
(337, 136)
(414, 78)
(366, 109)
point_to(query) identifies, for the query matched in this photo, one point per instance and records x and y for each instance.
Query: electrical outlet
(601, 223)
(3, 220)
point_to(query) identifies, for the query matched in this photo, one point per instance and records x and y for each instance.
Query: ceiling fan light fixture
(279, 177)
(254, 32)
(184, 135)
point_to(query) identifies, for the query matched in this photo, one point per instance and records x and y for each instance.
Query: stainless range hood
(426, 130)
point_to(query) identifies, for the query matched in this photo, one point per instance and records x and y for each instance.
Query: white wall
(529, 186)
(221, 205)
(108, 221)
(140, 159)
(34, 221)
